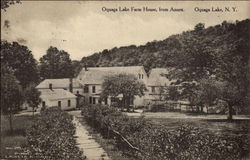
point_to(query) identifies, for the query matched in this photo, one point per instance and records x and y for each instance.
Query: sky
(84, 27)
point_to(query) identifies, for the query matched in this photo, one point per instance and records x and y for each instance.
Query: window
(93, 100)
(139, 76)
(93, 89)
(142, 76)
(77, 92)
(59, 103)
(90, 100)
(68, 103)
(50, 86)
(99, 101)
(86, 89)
(43, 104)
(153, 89)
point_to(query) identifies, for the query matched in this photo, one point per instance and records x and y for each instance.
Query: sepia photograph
(125, 80)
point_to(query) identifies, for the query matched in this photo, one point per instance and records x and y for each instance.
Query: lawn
(216, 124)
(12, 143)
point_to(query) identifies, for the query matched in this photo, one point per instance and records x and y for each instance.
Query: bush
(52, 136)
(158, 142)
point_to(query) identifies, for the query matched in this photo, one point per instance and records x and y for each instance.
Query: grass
(219, 127)
(12, 143)
(107, 144)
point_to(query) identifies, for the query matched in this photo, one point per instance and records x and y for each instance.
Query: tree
(6, 3)
(199, 27)
(11, 96)
(172, 93)
(20, 59)
(125, 84)
(204, 57)
(56, 64)
(32, 96)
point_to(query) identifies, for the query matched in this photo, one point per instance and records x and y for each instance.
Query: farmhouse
(157, 84)
(92, 78)
(87, 87)
(59, 92)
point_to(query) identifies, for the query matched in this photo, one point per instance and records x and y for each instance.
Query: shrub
(158, 142)
(52, 136)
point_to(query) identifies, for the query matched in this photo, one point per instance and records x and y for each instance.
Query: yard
(12, 143)
(216, 124)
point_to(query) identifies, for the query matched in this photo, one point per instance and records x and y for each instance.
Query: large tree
(126, 85)
(20, 59)
(11, 95)
(227, 61)
(56, 64)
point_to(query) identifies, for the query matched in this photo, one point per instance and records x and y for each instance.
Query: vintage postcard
(125, 80)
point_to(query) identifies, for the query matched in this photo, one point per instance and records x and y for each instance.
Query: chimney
(71, 85)
(85, 66)
(50, 86)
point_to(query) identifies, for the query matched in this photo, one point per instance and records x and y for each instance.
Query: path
(91, 149)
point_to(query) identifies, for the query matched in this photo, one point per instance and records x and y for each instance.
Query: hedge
(52, 136)
(157, 142)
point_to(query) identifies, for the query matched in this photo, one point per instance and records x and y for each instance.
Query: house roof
(95, 75)
(59, 83)
(55, 94)
(157, 77)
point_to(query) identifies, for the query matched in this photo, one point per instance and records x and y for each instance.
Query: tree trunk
(201, 108)
(230, 112)
(33, 111)
(10, 120)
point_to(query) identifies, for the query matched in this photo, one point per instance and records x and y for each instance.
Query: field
(11, 143)
(216, 124)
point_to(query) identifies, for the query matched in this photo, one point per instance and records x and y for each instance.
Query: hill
(163, 53)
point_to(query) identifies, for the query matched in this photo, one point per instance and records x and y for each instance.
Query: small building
(59, 92)
(92, 78)
(57, 97)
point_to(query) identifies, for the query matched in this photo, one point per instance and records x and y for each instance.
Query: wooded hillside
(162, 53)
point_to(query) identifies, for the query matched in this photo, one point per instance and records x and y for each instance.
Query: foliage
(52, 136)
(172, 93)
(199, 27)
(11, 96)
(158, 142)
(32, 96)
(6, 3)
(20, 59)
(56, 64)
(165, 53)
(125, 84)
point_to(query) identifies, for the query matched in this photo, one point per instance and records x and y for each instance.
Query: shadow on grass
(229, 121)
(16, 132)
(201, 114)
